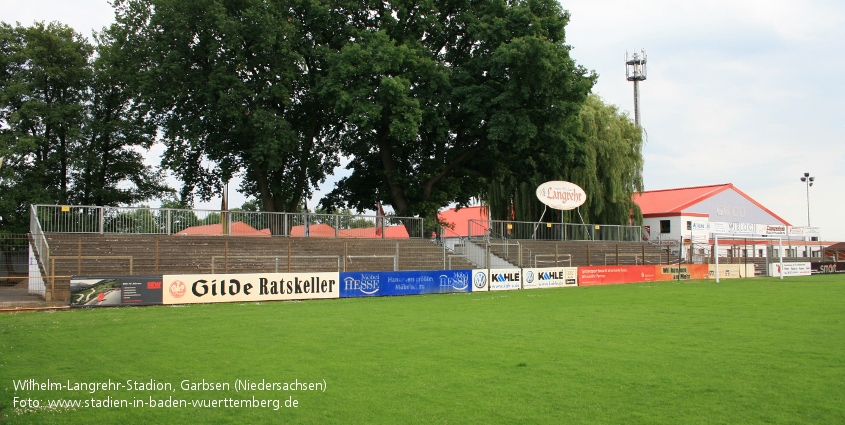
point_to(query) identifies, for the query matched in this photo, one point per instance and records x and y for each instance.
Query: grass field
(738, 352)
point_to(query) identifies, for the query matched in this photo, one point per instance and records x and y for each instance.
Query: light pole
(808, 181)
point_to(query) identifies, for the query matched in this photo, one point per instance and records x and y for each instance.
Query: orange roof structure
(676, 201)
(321, 230)
(458, 219)
(395, 232)
(326, 231)
(237, 228)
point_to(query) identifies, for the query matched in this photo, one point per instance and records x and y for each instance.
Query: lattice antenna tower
(635, 70)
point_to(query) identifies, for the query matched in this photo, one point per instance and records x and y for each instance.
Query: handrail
(39, 243)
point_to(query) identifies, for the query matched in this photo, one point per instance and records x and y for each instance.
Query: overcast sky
(748, 92)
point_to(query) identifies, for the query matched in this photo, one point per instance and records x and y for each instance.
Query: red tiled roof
(237, 228)
(677, 200)
(394, 232)
(314, 231)
(326, 231)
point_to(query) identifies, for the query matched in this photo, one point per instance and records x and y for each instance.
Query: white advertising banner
(549, 277)
(505, 279)
(790, 269)
(742, 228)
(206, 288)
(719, 227)
(561, 195)
(480, 280)
(772, 230)
(730, 271)
(804, 231)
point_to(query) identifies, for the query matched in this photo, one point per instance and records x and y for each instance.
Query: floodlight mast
(808, 181)
(635, 70)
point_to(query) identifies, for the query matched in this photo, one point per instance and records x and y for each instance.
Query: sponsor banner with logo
(110, 291)
(804, 231)
(549, 277)
(730, 271)
(699, 226)
(771, 230)
(742, 228)
(790, 269)
(480, 280)
(505, 279)
(610, 275)
(827, 267)
(240, 287)
(375, 284)
(719, 227)
(682, 272)
(731, 228)
(561, 195)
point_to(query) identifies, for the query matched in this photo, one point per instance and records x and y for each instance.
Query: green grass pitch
(738, 352)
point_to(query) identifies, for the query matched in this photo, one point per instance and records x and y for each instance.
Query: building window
(664, 226)
(689, 225)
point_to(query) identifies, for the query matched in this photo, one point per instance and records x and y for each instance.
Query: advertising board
(680, 272)
(240, 287)
(827, 267)
(110, 291)
(480, 280)
(731, 271)
(505, 279)
(790, 269)
(611, 275)
(375, 284)
(549, 277)
(561, 195)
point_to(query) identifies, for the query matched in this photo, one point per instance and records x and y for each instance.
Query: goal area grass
(759, 350)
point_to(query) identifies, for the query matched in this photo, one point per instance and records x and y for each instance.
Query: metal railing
(555, 261)
(553, 231)
(168, 221)
(39, 255)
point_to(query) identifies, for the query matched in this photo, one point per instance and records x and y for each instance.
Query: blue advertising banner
(380, 284)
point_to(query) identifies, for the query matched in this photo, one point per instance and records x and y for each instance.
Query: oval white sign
(561, 195)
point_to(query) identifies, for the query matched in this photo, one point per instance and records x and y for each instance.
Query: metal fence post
(443, 250)
(487, 257)
(101, 218)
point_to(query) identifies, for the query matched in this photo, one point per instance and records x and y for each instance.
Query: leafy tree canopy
(608, 169)
(441, 99)
(233, 87)
(65, 136)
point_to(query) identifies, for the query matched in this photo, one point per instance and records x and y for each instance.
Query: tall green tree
(612, 166)
(233, 87)
(68, 132)
(442, 98)
(116, 135)
(608, 169)
(43, 93)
